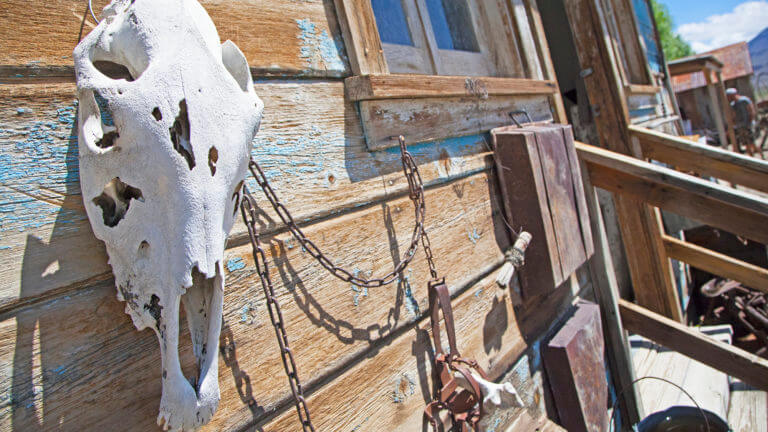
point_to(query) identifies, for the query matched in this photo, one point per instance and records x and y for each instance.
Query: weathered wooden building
(338, 79)
(693, 79)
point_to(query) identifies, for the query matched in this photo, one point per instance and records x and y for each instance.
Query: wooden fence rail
(703, 159)
(734, 211)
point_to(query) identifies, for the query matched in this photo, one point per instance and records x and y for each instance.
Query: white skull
(162, 184)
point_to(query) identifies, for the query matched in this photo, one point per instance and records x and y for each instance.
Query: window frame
(629, 47)
(373, 82)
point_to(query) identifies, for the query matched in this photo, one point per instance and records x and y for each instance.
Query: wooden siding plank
(428, 119)
(395, 86)
(692, 343)
(310, 145)
(277, 37)
(76, 362)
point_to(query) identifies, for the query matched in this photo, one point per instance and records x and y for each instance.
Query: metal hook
(512, 115)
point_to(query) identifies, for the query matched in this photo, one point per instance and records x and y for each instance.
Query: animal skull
(162, 180)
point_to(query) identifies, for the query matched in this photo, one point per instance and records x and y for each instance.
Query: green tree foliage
(673, 45)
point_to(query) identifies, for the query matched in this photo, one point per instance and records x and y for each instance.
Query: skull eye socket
(115, 201)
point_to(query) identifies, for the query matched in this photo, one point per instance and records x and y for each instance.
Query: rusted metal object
(743, 307)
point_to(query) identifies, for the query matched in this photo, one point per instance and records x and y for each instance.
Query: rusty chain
(248, 210)
(416, 194)
(249, 213)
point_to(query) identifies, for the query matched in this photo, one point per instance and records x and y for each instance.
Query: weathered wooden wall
(72, 360)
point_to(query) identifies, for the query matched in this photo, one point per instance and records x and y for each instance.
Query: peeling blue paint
(59, 370)
(492, 428)
(245, 316)
(473, 236)
(39, 166)
(478, 293)
(319, 51)
(234, 264)
(411, 304)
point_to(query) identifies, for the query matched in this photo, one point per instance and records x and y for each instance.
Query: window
(635, 44)
(433, 69)
(447, 37)
(647, 31)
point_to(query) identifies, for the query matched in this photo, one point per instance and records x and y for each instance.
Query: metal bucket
(683, 419)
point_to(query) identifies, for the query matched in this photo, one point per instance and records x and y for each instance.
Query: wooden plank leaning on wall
(640, 225)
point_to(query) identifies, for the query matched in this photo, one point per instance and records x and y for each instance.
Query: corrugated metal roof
(736, 63)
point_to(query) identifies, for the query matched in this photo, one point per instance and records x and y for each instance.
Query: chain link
(249, 213)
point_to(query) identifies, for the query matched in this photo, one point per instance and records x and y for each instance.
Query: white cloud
(742, 24)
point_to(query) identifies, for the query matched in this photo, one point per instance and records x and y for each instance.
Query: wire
(621, 393)
(90, 9)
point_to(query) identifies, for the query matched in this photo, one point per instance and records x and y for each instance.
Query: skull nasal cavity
(213, 157)
(115, 201)
(180, 135)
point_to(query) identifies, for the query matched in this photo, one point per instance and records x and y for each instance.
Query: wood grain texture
(310, 145)
(396, 86)
(677, 337)
(388, 392)
(287, 38)
(76, 362)
(731, 210)
(428, 119)
(650, 269)
(747, 410)
(717, 263)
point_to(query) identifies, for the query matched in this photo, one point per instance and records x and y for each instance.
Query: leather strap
(440, 300)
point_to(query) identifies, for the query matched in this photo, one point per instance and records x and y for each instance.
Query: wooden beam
(734, 361)
(727, 112)
(717, 110)
(651, 272)
(703, 159)
(607, 295)
(371, 87)
(731, 210)
(361, 37)
(542, 47)
(716, 263)
(643, 89)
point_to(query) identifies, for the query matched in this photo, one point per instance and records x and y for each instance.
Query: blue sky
(691, 11)
(709, 24)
